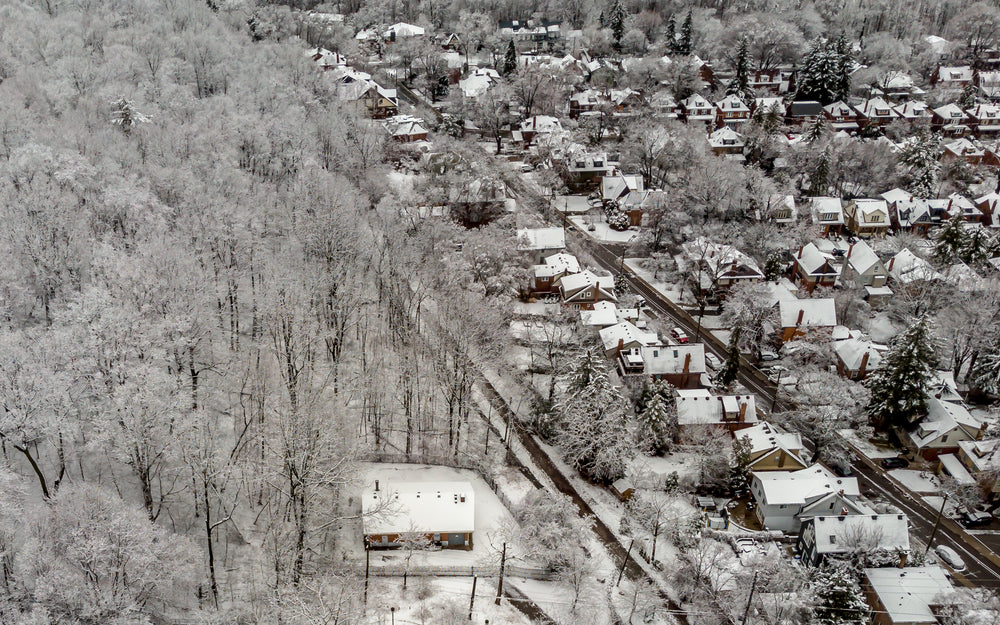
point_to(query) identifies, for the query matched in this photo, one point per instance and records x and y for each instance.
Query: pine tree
(657, 425)
(684, 45)
(986, 374)
(818, 129)
(125, 116)
(820, 77)
(671, 35)
(977, 249)
(845, 66)
(510, 59)
(616, 22)
(839, 599)
(968, 98)
(731, 370)
(820, 175)
(921, 156)
(739, 476)
(951, 242)
(740, 84)
(898, 386)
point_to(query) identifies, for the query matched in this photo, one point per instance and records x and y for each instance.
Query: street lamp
(392, 611)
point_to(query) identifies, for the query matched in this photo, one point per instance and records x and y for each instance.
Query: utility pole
(503, 563)
(368, 560)
(624, 562)
(753, 586)
(472, 599)
(777, 387)
(489, 426)
(937, 524)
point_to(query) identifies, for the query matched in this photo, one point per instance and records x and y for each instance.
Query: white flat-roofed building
(443, 512)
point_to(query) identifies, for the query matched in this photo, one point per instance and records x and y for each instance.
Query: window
(580, 164)
(598, 163)
(882, 112)
(833, 540)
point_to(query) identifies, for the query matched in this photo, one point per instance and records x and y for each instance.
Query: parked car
(950, 557)
(976, 519)
(837, 251)
(680, 335)
(767, 355)
(714, 362)
(895, 463)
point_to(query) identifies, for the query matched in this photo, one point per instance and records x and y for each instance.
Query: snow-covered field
(433, 600)
(670, 291)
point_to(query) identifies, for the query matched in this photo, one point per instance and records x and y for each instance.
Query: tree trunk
(208, 539)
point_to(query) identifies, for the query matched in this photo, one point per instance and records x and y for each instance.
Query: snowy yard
(576, 204)
(433, 600)
(602, 231)
(637, 266)
(866, 447)
(646, 470)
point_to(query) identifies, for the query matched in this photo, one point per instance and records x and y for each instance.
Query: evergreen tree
(731, 369)
(671, 35)
(951, 242)
(657, 425)
(845, 66)
(977, 249)
(739, 476)
(684, 45)
(740, 84)
(820, 77)
(819, 177)
(986, 373)
(839, 599)
(616, 22)
(898, 386)
(818, 129)
(968, 98)
(921, 155)
(510, 59)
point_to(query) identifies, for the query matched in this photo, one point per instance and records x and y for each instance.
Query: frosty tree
(839, 599)
(986, 373)
(951, 241)
(657, 424)
(616, 22)
(510, 59)
(684, 45)
(125, 116)
(921, 156)
(740, 84)
(898, 385)
(618, 220)
(731, 369)
(822, 73)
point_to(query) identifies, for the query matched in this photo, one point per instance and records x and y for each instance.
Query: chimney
(891, 261)
(798, 320)
(687, 362)
(849, 250)
(621, 345)
(864, 365)
(376, 486)
(800, 251)
(743, 411)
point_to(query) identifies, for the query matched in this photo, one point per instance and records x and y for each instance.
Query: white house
(946, 424)
(698, 407)
(773, 449)
(784, 499)
(800, 316)
(824, 536)
(442, 512)
(541, 242)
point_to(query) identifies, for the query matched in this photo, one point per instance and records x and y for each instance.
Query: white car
(714, 362)
(950, 557)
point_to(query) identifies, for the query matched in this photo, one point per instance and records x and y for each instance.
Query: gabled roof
(603, 315)
(669, 359)
(852, 351)
(944, 417)
(797, 488)
(541, 239)
(814, 262)
(984, 455)
(816, 313)
(840, 109)
(558, 264)
(629, 336)
(717, 256)
(726, 137)
(862, 258)
(820, 206)
(906, 267)
(696, 101)
(961, 73)
(699, 407)
(766, 437)
(913, 109)
(541, 123)
(732, 103)
(840, 534)
(867, 206)
(951, 112)
(907, 594)
(425, 507)
(876, 107)
(573, 284)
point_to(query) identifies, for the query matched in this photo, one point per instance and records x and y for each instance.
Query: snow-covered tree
(740, 84)
(898, 386)
(657, 424)
(986, 372)
(748, 306)
(921, 155)
(509, 60)
(684, 45)
(742, 457)
(731, 369)
(670, 34)
(125, 116)
(839, 599)
(951, 241)
(618, 220)
(820, 76)
(615, 18)
(845, 66)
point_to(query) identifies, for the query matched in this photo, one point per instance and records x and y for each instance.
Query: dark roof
(807, 108)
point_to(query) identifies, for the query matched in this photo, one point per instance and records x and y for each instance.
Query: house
(841, 116)
(731, 112)
(540, 31)
(895, 86)
(805, 112)
(945, 425)
(478, 82)
(862, 267)
(786, 498)
(828, 213)
(681, 365)
(541, 242)
(953, 77)
(699, 408)
(402, 30)
(539, 125)
(326, 59)
(905, 596)
(584, 170)
(725, 140)
(625, 337)
(354, 86)
(950, 465)
(982, 457)
(718, 266)
(960, 205)
(695, 108)
(909, 214)
(784, 209)
(915, 112)
(770, 104)
(857, 357)
(972, 152)
(442, 512)
(591, 101)
(405, 128)
(582, 290)
(776, 80)
(814, 268)
(867, 217)
(876, 112)
(801, 316)
(602, 315)
(635, 204)
(906, 268)
(615, 187)
(546, 277)
(950, 120)
(773, 449)
(984, 119)
(823, 537)
(988, 205)
(663, 105)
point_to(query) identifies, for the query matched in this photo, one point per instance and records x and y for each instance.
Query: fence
(511, 570)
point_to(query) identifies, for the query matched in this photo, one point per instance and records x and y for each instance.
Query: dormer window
(598, 163)
(882, 112)
(956, 113)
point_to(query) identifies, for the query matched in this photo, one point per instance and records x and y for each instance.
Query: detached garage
(443, 512)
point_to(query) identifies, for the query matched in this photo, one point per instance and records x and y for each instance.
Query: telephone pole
(472, 599)
(503, 563)
(753, 586)
(937, 524)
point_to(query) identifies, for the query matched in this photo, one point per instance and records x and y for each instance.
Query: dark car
(895, 463)
(976, 519)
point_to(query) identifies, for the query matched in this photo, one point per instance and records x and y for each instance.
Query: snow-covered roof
(699, 407)
(582, 280)
(964, 278)
(955, 74)
(541, 239)
(815, 313)
(861, 257)
(840, 534)
(951, 113)
(603, 315)
(867, 207)
(906, 267)
(984, 455)
(696, 101)
(944, 417)
(613, 187)
(914, 109)
(402, 29)
(876, 108)
(425, 507)
(939, 45)
(822, 208)
(540, 124)
(811, 260)
(767, 103)
(906, 594)
(966, 147)
(558, 264)
(954, 467)
(840, 109)
(852, 351)
(796, 488)
(404, 126)
(765, 437)
(717, 256)
(987, 116)
(670, 359)
(626, 334)
(475, 84)
(732, 103)
(726, 137)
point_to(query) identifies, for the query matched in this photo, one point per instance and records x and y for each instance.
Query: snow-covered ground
(881, 329)
(576, 204)
(534, 309)
(866, 447)
(920, 482)
(432, 600)
(646, 470)
(602, 231)
(670, 291)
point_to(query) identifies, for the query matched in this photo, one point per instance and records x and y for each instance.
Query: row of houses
(356, 86)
